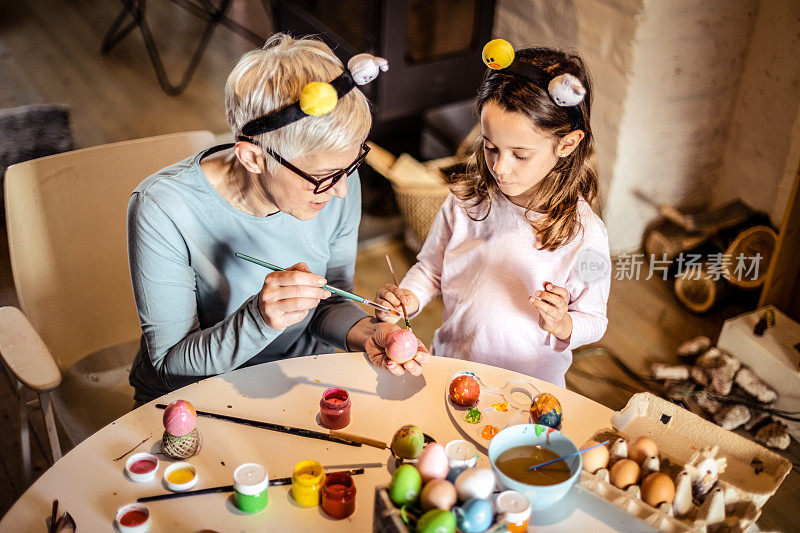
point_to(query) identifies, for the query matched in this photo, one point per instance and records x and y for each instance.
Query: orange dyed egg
(464, 390)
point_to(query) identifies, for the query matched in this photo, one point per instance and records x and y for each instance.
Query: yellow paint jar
(307, 481)
(180, 476)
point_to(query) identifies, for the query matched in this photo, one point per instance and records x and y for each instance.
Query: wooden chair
(77, 330)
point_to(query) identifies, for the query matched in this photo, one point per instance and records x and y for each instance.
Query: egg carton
(751, 476)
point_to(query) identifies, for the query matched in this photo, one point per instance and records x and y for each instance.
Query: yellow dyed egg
(498, 54)
(318, 98)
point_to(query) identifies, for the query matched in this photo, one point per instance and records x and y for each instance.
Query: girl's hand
(288, 296)
(552, 304)
(376, 351)
(390, 296)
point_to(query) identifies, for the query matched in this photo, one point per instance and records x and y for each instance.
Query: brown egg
(594, 459)
(624, 473)
(641, 449)
(658, 488)
(438, 494)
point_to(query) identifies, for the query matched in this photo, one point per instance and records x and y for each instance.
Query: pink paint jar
(334, 408)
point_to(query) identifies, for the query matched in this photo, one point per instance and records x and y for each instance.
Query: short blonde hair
(273, 77)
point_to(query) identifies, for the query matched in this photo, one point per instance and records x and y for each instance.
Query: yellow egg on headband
(498, 54)
(318, 98)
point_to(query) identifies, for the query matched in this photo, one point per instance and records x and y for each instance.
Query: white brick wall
(763, 151)
(678, 109)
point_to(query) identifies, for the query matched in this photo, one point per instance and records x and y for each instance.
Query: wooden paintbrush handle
(358, 438)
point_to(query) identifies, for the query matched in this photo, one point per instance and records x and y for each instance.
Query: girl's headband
(319, 98)
(565, 90)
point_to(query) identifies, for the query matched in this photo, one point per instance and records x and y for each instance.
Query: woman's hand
(376, 351)
(390, 296)
(553, 304)
(288, 296)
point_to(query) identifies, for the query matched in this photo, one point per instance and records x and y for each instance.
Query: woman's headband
(319, 98)
(565, 90)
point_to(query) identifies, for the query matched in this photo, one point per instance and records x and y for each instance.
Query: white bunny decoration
(566, 90)
(365, 67)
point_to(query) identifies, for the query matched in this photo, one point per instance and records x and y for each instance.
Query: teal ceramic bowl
(540, 496)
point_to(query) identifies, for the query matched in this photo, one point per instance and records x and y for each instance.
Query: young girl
(519, 257)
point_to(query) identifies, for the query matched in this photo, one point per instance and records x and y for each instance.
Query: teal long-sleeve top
(197, 302)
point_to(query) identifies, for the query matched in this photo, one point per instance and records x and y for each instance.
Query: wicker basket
(182, 447)
(419, 188)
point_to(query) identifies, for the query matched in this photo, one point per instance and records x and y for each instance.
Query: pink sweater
(486, 270)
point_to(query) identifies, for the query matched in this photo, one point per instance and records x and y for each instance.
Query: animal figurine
(498, 54)
(705, 473)
(365, 67)
(566, 90)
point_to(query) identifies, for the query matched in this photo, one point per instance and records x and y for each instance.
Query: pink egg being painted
(179, 418)
(401, 346)
(432, 463)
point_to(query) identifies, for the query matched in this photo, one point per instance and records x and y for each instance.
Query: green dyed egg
(437, 521)
(408, 442)
(405, 486)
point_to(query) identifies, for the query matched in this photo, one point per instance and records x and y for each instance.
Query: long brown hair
(558, 194)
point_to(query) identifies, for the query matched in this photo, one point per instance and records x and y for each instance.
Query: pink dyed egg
(401, 346)
(179, 418)
(432, 463)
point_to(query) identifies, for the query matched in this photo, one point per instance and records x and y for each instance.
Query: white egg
(475, 483)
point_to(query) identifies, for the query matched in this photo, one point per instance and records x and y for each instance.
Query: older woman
(286, 192)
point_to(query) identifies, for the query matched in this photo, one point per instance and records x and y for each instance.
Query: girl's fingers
(546, 310)
(561, 291)
(551, 298)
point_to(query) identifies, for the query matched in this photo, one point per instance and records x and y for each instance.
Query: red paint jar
(334, 408)
(339, 495)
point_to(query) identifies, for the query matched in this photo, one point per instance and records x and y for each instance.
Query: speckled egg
(464, 390)
(407, 442)
(432, 462)
(438, 494)
(405, 485)
(475, 483)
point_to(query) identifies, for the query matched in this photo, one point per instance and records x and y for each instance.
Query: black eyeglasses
(321, 184)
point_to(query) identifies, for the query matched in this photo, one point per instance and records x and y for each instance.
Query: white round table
(90, 485)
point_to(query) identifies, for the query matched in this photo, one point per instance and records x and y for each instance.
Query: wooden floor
(49, 52)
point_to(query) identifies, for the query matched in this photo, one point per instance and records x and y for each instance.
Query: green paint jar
(250, 488)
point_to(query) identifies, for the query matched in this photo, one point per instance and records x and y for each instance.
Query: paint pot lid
(132, 507)
(141, 477)
(460, 453)
(514, 505)
(178, 487)
(250, 479)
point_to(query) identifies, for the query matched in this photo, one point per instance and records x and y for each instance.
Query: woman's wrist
(361, 331)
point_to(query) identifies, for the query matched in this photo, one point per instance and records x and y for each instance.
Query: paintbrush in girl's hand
(402, 305)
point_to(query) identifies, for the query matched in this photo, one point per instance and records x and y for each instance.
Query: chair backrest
(66, 222)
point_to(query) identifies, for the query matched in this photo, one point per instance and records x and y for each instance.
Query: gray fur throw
(33, 131)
